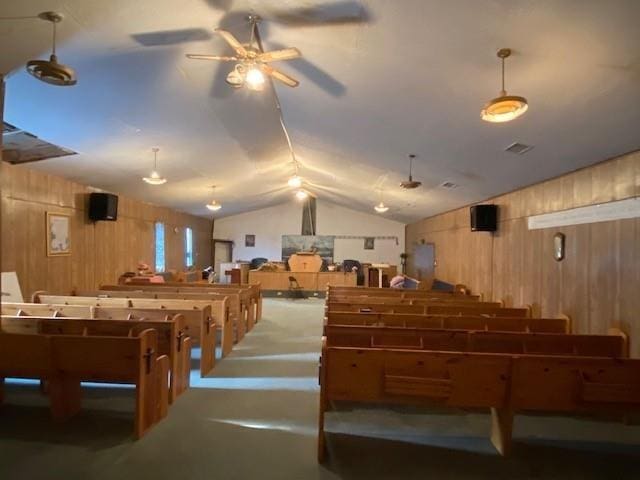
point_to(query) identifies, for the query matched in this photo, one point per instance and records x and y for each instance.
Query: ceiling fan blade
(339, 13)
(221, 58)
(171, 37)
(233, 41)
(278, 75)
(277, 55)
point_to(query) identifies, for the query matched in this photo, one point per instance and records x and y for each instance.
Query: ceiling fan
(411, 183)
(252, 62)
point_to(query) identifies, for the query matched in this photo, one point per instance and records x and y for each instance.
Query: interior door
(424, 262)
(222, 251)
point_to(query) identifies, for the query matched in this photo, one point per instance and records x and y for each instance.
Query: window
(159, 247)
(188, 247)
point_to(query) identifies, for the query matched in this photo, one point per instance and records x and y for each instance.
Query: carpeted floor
(256, 415)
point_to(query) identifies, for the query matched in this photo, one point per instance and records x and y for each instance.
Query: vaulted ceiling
(379, 80)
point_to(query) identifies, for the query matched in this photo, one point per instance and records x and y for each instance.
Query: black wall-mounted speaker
(103, 206)
(484, 218)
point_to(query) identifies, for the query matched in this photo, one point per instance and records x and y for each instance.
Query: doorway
(222, 253)
(424, 262)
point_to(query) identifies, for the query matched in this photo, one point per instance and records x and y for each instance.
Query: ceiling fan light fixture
(504, 108)
(254, 79)
(295, 181)
(235, 78)
(50, 71)
(301, 194)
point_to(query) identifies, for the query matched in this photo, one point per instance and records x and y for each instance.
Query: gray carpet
(255, 417)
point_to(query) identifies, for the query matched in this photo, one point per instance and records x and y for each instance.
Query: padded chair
(347, 266)
(256, 262)
(295, 290)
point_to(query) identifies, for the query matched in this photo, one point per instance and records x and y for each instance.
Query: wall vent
(518, 148)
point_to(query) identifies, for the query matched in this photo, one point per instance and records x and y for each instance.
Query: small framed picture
(249, 240)
(58, 234)
(369, 243)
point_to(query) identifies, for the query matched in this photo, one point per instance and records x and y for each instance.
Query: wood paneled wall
(101, 251)
(598, 282)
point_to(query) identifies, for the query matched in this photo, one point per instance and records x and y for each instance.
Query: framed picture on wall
(249, 240)
(369, 243)
(58, 234)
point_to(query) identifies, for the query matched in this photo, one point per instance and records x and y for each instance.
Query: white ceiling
(411, 76)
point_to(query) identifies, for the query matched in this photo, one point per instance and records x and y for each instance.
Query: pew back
(464, 322)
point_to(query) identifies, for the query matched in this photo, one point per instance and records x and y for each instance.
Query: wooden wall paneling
(597, 282)
(604, 263)
(625, 177)
(552, 280)
(628, 278)
(101, 251)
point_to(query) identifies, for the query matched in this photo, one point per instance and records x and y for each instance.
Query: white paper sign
(603, 212)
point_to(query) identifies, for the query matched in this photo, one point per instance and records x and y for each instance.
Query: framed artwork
(249, 240)
(558, 246)
(369, 243)
(58, 234)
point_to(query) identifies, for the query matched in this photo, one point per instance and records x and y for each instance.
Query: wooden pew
(340, 298)
(44, 310)
(236, 309)
(465, 322)
(255, 290)
(502, 382)
(200, 320)
(460, 340)
(66, 360)
(397, 293)
(240, 299)
(431, 309)
(411, 301)
(173, 339)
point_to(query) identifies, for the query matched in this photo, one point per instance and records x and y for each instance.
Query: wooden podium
(305, 262)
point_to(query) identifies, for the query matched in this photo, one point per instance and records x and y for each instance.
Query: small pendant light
(214, 206)
(504, 108)
(381, 207)
(155, 178)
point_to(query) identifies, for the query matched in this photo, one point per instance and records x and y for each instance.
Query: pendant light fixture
(50, 71)
(381, 207)
(504, 108)
(155, 178)
(301, 194)
(213, 205)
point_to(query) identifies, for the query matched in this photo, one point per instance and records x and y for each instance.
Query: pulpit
(305, 262)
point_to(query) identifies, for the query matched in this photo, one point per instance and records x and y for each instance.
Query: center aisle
(255, 416)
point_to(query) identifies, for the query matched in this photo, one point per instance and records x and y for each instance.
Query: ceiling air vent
(449, 185)
(518, 148)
